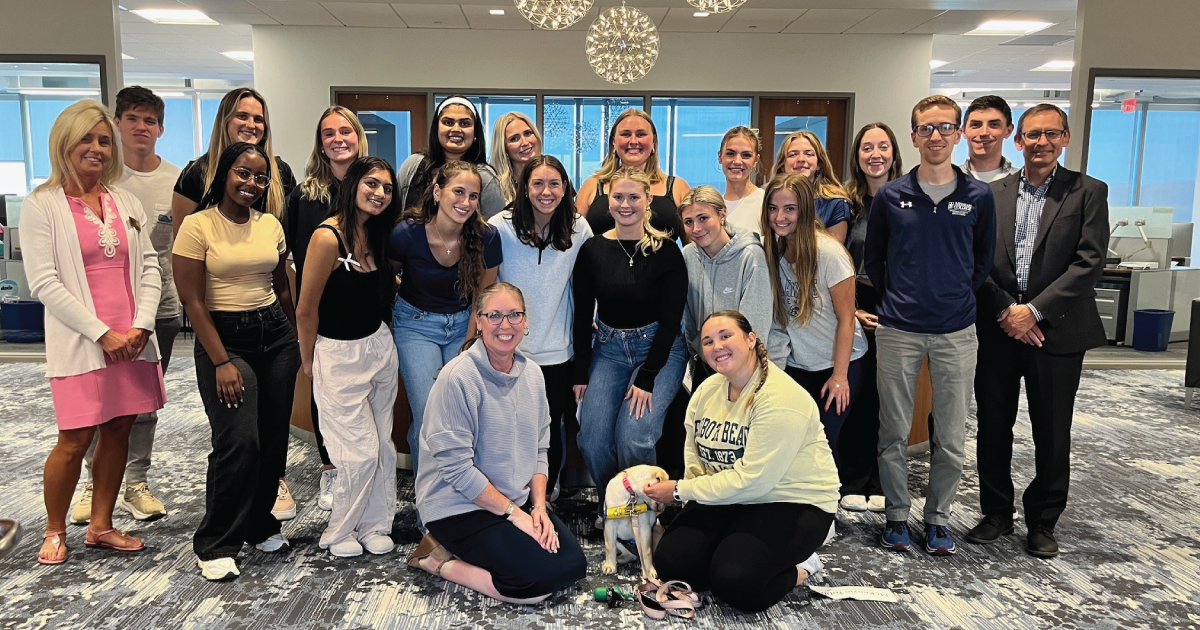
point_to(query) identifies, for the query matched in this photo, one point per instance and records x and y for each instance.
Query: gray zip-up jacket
(736, 278)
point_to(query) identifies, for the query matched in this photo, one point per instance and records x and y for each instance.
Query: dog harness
(631, 508)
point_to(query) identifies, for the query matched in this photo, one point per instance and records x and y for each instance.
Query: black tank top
(664, 214)
(350, 307)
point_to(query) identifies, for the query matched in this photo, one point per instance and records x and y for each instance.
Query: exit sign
(1128, 105)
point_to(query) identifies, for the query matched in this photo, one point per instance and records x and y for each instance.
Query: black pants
(520, 568)
(831, 420)
(249, 442)
(858, 446)
(745, 554)
(1051, 382)
(560, 394)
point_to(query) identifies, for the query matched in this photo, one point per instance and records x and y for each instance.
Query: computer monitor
(1181, 240)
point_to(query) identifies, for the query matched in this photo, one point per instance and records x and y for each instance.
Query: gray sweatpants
(141, 436)
(952, 359)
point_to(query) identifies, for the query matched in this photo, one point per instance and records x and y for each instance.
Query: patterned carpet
(1131, 555)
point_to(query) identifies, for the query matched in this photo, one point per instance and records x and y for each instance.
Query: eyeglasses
(262, 181)
(1051, 135)
(944, 129)
(495, 317)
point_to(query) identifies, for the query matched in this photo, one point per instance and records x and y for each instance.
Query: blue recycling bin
(23, 321)
(1152, 329)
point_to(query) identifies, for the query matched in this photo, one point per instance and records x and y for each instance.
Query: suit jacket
(1068, 258)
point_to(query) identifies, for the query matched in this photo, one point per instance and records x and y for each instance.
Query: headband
(457, 100)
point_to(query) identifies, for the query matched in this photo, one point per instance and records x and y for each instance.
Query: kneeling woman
(487, 432)
(760, 482)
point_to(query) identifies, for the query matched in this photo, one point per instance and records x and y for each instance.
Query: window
(43, 110)
(690, 132)
(208, 115)
(178, 143)
(388, 134)
(1168, 174)
(785, 125)
(12, 147)
(1111, 151)
(575, 130)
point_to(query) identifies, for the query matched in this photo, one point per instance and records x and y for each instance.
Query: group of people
(510, 304)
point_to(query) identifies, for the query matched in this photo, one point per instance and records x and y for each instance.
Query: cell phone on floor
(10, 535)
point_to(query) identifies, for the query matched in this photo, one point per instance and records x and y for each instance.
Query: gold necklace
(626, 252)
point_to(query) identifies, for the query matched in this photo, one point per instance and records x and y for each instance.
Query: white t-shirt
(154, 190)
(812, 345)
(746, 213)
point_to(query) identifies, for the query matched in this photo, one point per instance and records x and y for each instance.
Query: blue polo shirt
(926, 260)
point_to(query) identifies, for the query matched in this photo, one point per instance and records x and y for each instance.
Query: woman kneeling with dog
(760, 482)
(487, 430)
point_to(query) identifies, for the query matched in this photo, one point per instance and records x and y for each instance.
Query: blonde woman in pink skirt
(89, 259)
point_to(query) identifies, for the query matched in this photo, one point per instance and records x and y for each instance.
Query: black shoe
(1040, 542)
(989, 530)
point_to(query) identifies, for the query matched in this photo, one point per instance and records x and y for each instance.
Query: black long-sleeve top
(651, 289)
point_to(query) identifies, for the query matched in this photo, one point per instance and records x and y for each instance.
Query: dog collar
(626, 511)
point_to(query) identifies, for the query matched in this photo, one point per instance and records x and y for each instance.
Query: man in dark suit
(1037, 316)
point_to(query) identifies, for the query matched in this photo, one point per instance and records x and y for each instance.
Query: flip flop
(59, 542)
(92, 539)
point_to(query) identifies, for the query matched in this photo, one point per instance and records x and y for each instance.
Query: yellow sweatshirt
(771, 450)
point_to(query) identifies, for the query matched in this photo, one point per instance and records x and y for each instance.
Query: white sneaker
(218, 570)
(831, 535)
(853, 503)
(346, 549)
(876, 503)
(272, 544)
(813, 565)
(378, 544)
(325, 498)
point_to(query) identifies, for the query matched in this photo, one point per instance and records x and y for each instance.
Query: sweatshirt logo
(727, 290)
(906, 204)
(960, 208)
(720, 443)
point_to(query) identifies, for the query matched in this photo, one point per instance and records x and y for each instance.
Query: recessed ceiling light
(54, 92)
(700, 14)
(1057, 65)
(172, 94)
(174, 16)
(240, 55)
(934, 64)
(127, 57)
(496, 11)
(1009, 27)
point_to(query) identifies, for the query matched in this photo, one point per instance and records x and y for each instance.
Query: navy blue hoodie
(927, 260)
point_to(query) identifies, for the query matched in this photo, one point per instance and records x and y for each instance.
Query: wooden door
(826, 117)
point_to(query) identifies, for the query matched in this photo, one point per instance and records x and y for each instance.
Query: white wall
(294, 68)
(64, 27)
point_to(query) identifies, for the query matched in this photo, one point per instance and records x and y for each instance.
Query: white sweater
(54, 267)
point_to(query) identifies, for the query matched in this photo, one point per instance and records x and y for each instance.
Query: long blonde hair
(319, 172)
(505, 173)
(827, 186)
(612, 164)
(803, 242)
(69, 128)
(219, 140)
(750, 134)
(653, 237)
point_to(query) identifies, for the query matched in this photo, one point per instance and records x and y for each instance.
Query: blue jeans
(611, 439)
(425, 342)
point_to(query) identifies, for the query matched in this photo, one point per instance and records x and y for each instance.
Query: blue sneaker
(938, 540)
(895, 536)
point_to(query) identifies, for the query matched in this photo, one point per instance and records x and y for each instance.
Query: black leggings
(560, 395)
(858, 447)
(744, 554)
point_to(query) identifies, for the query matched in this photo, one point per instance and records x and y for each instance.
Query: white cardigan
(54, 268)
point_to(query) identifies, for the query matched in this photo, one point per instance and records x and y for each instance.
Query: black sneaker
(989, 530)
(1040, 542)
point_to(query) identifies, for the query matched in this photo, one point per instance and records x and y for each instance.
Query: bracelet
(541, 507)
(223, 363)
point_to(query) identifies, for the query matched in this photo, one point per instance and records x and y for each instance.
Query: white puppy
(626, 505)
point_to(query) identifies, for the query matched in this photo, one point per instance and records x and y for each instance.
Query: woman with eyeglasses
(802, 152)
(483, 488)
(515, 141)
(231, 271)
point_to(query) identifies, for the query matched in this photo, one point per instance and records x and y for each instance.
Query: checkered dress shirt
(1030, 202)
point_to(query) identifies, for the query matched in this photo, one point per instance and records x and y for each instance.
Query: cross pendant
(631, 262)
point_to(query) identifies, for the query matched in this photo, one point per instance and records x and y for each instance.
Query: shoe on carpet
(378, 544)
(876, 503)
(853, 503)
(218, 569)
(832, 533)
(429, 546)
(895, 536)
(82, 512)
(938, 540)
(813, 565)
(272, 544)
(325, 498)
(989, 530)
(141, 503)
(1041, 543)
(348, 548)
(285, 505)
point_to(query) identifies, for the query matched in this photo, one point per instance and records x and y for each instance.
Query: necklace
(626, 252)
(445, 241)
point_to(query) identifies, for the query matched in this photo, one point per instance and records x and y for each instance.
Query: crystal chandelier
(553, 15)
(716, 6)
(622, 44)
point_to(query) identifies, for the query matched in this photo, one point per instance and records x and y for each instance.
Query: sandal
(658, 601)
(429, 546)
(92, 539)
(60, 542)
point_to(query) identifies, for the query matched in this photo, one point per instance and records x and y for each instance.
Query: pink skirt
(120, 389)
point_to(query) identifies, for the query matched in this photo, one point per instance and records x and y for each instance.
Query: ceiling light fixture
(622, 44)
(174, 16)
(496, 11)
(127, 57)
(553, 15)
(171, 94)
(1009, 27)
(716, 6)
(240, 55)
(935, 64)
(701, 14)
(55, 92)
(1057, 65)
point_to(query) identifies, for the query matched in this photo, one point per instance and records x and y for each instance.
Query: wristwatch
(509, 510)
(675, 494)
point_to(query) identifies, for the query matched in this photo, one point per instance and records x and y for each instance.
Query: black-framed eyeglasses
(944, 129)
(495, 317)
(244, 174)
(1051, 134)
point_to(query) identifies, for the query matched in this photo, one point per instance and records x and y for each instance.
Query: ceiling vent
(1041, 41)
(952, 73)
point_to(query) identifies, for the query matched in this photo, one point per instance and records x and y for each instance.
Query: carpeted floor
(1131, 555)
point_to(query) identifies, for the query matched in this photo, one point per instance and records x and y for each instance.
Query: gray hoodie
(736, 278)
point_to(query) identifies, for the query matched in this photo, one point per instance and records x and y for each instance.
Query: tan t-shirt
(238, 258)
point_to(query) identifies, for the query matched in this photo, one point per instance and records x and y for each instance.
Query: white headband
(457, 100)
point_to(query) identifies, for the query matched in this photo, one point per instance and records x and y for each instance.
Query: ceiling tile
(752, 20)
(682, 20)
(241, 19)
(828, 20)
(957, 22)
(163, 37)
(221, 6)
(364, 14)
(894, 21)
(431, 15)
(297, 13)
(479, 18)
